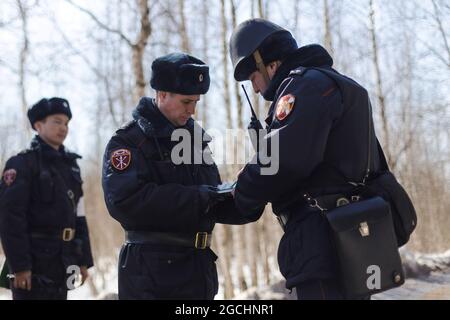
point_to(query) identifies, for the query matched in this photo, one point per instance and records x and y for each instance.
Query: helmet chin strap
(261, 67)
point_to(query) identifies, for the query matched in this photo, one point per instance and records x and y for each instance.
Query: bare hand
(22, 280)
(84, 274)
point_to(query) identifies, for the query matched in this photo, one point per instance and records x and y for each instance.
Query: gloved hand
(213, 196)
(255, 129)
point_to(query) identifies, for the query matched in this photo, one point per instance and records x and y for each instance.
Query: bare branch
(24, 52)
(441, 29)
(100, 23)
(102, 77)
(438, 55)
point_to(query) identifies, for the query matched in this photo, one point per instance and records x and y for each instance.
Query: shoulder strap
(33, 160)
(131, 134)
(384, 164)
(369, 143)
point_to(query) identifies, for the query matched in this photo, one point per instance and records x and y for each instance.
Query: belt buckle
(68, 234)
(201, 237)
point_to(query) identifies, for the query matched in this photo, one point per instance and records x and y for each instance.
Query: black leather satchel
(366, 247)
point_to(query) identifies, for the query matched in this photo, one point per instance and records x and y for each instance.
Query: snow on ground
(428, 279)
(435, 286)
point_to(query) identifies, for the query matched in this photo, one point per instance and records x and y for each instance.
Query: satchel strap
(369, 144)
(313, 202)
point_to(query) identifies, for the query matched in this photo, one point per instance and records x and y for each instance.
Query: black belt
(326, 202)
(66, 235)
(200, 240)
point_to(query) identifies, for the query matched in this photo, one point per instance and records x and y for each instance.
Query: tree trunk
(224, 238)
(24, 51)
(240, 124)
(226, 85)
(205, 46)
(240, 247)
(379, 86)
(138, 50)
(261, 9)
(327, 34)
(183, 28)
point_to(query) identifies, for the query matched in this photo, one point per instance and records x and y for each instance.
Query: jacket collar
(37, 143)
(312, 55)
(154, 124)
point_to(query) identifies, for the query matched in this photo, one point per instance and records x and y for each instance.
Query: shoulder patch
(9, 176)
(284, 107)
(121, 159)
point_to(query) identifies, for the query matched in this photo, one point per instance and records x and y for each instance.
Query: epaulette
(73, 155)
(127, 125)
(26, 151)
(31, 157)
(131, 133)
(298, 71)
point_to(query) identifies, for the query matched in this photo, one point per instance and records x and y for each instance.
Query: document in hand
(226, 188)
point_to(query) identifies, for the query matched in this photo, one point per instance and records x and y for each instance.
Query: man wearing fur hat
(42, 224)
(167, 208)
(322, 121)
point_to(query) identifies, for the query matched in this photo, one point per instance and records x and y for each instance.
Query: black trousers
(48, 281)
(149, 272)
(322, 290)
(40, 294)
(319, 290)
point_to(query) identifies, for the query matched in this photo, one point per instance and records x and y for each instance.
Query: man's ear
(162, 95)
(38, 126)
(273, 66)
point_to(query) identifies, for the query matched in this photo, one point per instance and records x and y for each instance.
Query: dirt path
(436, 286)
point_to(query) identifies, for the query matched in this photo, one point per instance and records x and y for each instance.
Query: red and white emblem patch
(121, 159)
(9, 176)
(285, 106)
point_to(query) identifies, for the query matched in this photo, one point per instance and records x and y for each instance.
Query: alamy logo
(374, 280)
(234, 146)
(74, 276)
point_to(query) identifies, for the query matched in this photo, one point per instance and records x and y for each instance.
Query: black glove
(255, 129)
(213, 196)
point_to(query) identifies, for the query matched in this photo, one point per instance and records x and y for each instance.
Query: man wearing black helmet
(42, 224)
(168, 208)
(321, 121)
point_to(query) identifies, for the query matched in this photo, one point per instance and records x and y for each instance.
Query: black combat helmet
(272, 41)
